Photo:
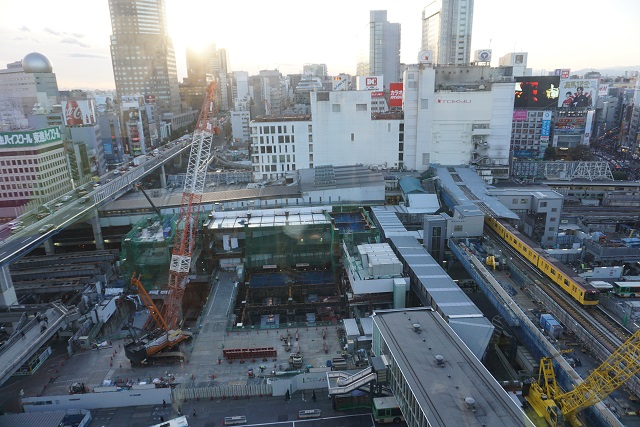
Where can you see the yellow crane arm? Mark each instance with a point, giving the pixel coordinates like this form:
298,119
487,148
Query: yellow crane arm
611,374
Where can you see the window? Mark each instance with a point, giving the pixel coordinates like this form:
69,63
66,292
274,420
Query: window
424,104
457,228
323,96
353,137
361,107
543,204
335,108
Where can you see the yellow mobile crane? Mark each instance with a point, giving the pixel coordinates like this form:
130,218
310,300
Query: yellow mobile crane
559,407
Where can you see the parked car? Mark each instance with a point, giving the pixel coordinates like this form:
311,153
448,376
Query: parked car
45,228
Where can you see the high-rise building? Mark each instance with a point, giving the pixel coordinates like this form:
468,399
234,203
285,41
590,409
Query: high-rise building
142,53
204,66
446,30
384,47
26,86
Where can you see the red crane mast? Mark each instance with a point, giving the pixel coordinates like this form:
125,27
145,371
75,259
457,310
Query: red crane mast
187,223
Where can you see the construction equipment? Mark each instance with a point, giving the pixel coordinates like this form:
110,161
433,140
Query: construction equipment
157,211
491,261
187,223
559,407
167,333
160,338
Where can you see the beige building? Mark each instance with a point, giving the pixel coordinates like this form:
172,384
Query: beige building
33,169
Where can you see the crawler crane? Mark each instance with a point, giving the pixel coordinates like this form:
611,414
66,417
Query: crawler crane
559,407
168,332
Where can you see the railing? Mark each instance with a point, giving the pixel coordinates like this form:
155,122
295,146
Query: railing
183,393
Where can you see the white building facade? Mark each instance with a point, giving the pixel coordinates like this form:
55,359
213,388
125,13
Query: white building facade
471,125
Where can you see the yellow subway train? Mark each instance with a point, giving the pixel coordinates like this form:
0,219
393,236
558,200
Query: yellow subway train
563,276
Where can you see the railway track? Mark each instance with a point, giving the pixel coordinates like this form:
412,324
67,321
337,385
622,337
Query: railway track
602,327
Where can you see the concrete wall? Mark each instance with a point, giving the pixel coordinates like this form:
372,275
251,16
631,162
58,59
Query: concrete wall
114,399
309,381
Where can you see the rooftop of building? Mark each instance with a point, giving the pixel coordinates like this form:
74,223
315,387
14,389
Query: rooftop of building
467,187
269,217
450,385
282,118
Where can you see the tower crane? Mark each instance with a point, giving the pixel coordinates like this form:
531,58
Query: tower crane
187,223
559,407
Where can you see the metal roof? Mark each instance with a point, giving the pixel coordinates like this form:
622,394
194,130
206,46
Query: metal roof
410,184
441,391
269,217
333,177
445,295
465,186
39,419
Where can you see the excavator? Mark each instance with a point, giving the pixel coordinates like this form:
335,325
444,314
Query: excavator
168,333
560,407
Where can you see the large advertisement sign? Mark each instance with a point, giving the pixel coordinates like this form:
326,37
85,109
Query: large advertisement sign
30,137
569,125
565,73
369,83
603,89
578,93
395,94
78,113
545,129
519,115
536,92
131,101
588,125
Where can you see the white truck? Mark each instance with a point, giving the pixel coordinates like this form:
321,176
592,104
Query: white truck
138,160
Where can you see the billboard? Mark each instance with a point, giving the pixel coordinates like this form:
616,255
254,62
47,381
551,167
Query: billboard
369,83
519,115
536,92
565,73
603,89
578,93
131,101
395,94
588,125
545,129
78,113
31,137
149,99
339,83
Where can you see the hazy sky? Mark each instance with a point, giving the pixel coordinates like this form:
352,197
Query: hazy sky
286,34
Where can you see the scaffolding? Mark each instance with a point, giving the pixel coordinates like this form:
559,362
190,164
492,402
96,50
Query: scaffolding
146,250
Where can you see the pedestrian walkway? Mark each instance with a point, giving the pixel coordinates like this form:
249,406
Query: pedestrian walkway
25,342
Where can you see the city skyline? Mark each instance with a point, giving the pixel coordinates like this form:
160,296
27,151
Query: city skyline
273,35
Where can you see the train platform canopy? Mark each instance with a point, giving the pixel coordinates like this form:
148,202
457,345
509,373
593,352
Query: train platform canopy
463,186
386,218
435,288
446,384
